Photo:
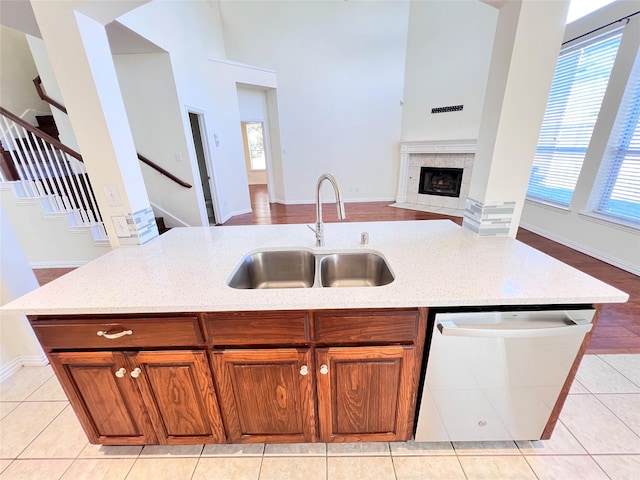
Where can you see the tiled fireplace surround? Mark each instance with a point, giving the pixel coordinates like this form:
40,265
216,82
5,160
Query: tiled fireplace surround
441,154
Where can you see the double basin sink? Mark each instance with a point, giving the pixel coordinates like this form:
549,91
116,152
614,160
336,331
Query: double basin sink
304,269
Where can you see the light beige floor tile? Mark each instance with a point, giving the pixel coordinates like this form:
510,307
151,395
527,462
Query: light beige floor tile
236,468
620,467
25,422
486,448
295,449
560,443
358,449
360,468
412,448
492,468
566,466
626,407
596,428
50,391
35,469
421,468
293,468
49,445
171,451
163,469
577,388
626,364
600,377
110,451
23,383
6,407
4,464
233,450
99,469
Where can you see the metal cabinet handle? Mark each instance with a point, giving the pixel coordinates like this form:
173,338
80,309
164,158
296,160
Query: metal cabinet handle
304,370
121,372
324,369
112,336
135,373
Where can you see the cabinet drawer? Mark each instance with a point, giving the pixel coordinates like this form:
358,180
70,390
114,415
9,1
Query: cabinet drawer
365,326
251,328
117,332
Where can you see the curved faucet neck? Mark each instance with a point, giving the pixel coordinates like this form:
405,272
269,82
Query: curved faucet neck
339,205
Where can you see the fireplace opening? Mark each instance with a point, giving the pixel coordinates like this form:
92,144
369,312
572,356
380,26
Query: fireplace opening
440,181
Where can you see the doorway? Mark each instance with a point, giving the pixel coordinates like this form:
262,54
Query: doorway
205,177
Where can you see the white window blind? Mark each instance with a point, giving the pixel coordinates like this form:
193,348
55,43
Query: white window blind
617,188
578,87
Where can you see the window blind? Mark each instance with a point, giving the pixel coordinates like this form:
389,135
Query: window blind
617,188
579,84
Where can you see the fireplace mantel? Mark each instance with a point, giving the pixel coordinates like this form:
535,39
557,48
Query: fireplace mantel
427,147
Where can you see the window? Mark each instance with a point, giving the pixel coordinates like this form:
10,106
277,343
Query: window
255,145
617,189
578,87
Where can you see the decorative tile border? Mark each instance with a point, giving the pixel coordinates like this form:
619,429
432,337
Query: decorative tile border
142,226
488,220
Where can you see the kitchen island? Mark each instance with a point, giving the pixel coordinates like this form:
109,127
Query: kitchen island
152,346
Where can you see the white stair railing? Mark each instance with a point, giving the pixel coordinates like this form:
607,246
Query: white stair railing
48,170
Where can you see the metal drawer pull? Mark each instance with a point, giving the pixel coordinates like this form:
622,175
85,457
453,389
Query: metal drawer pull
120,373
135,373
324,369
113,336
304,370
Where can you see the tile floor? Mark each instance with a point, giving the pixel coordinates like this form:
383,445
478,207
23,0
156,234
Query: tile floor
598,437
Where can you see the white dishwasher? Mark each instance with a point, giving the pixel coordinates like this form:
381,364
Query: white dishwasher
496,375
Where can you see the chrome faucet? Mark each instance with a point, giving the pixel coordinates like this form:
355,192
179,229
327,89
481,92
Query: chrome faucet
319,230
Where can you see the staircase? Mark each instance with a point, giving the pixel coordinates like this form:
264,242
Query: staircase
38,168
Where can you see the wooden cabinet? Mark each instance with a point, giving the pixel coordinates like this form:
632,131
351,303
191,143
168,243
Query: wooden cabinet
365,393
290,376
105,397
266,395
357,369
125,390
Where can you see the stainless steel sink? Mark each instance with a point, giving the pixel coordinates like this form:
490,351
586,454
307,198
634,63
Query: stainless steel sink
364,269
303,269
275,269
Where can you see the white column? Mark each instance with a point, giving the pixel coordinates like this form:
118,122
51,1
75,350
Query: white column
79,52
525,50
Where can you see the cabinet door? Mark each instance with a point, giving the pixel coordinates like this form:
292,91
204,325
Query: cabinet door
364,393
266,395
104,397
178,391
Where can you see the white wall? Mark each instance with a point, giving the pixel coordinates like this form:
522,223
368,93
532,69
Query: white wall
194,36
340,68
574,226
155,117
17,71
448,54
18,345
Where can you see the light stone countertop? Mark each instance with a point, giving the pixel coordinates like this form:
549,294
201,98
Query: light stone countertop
436,264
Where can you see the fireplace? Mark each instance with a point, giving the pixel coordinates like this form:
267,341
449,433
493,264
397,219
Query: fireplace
447,157
445,182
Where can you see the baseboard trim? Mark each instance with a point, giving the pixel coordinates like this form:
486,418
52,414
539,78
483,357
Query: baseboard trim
581,248
58,264
22,361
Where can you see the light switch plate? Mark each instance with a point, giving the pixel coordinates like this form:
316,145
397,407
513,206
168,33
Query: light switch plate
113,195
121,226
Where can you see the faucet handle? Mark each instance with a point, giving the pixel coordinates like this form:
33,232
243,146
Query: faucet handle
364,238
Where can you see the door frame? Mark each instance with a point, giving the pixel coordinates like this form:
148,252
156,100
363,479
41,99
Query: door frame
201,116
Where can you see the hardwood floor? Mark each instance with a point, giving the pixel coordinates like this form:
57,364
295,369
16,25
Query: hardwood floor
618,328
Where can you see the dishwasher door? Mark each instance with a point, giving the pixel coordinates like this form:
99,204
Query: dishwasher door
497,375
